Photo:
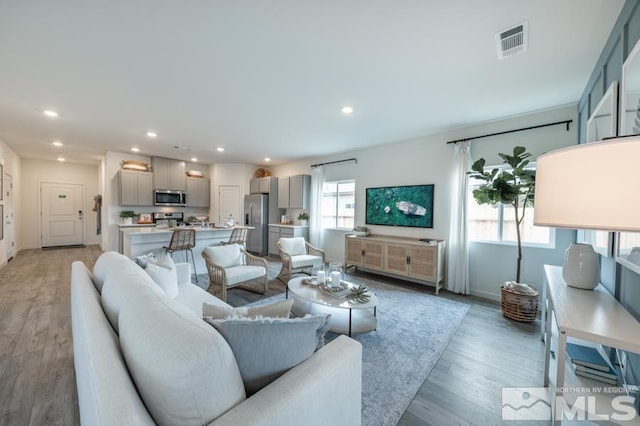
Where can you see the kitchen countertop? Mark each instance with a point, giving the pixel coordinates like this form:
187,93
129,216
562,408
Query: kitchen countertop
155,230
288,225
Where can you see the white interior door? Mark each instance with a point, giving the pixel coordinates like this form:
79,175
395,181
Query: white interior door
62,214
230,204
9,223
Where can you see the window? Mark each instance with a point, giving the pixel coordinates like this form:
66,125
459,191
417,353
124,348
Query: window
497,223
338,204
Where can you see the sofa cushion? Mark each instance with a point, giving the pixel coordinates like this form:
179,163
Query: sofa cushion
164,273
304,260
242,273
107,262
119,284
144,259
279,309
193,297
293,246
265,348
184,370
225,256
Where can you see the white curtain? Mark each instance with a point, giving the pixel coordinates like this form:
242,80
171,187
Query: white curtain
458,262
315,215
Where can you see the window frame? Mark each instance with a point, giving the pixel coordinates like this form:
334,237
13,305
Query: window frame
500,219
337,204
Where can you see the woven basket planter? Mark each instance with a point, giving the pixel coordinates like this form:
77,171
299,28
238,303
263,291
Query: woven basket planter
518,306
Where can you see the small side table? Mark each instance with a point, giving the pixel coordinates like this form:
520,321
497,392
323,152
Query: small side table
595,316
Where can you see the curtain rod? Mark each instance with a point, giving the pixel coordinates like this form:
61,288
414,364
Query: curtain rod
515,130
333,162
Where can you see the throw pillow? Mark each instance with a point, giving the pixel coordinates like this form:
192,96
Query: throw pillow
265,348
279,309
225,256
293,246
165,274
143,260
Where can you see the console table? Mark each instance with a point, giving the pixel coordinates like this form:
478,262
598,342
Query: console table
405,258
595,316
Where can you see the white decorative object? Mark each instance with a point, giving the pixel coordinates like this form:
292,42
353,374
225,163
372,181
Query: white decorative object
580,269
582,187
335,278
321,277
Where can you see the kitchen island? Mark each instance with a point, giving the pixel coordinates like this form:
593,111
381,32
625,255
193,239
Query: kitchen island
141,241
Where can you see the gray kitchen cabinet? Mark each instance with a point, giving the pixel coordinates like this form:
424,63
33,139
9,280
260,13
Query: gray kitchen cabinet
299,188
265,185
136,188
197,192
293,192
169,174
283,193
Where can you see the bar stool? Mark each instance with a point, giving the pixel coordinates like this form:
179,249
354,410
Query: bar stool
183,240
238,236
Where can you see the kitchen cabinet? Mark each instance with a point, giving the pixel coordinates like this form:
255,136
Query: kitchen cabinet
293,192
198,192
400,257
285,231
265,185
136,188
169,174
283,193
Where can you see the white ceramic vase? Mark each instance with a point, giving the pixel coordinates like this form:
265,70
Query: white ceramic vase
581,269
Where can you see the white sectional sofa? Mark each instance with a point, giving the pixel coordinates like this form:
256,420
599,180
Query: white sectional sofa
142,357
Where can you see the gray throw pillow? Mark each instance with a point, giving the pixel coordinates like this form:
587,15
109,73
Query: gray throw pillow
265,348
279,309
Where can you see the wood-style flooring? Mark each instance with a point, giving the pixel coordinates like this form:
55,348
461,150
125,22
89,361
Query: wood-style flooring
37,381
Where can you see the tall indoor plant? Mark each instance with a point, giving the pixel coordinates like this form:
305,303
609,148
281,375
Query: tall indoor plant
514,186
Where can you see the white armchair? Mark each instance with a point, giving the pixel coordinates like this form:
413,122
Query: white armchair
297,255
231,266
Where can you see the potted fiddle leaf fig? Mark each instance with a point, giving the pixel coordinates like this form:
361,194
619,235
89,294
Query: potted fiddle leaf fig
514,186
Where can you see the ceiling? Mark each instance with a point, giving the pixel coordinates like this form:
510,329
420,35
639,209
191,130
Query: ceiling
270,78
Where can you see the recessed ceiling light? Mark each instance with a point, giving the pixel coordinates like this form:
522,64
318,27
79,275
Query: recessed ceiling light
50,113
60,158
56,143
220,149
135,149
152,135
267,159
194,159
347,110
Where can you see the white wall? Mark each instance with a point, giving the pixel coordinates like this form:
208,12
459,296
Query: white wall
228,174
428,160
111,197
35,172
11,166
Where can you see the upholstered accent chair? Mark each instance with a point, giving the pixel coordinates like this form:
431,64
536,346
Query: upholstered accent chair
297,255
231,266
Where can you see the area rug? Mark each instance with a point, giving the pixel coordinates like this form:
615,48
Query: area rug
413,331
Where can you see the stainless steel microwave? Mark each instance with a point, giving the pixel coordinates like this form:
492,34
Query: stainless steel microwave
166,197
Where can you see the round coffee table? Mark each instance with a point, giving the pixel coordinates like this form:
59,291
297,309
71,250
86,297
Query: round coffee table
346,316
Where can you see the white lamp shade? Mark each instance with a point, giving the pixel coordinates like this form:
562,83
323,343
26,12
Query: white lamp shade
580,267
590,186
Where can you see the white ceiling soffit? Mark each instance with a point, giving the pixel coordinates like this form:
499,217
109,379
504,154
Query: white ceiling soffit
513,40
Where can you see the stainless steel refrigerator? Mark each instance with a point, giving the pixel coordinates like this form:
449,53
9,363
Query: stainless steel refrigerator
256,214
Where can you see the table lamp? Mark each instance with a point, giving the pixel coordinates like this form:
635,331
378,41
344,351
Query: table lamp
589,186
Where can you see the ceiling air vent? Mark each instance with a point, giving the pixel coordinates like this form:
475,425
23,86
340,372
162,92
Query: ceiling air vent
512,40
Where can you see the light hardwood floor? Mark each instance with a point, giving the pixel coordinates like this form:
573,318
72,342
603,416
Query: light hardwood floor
37,381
